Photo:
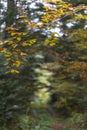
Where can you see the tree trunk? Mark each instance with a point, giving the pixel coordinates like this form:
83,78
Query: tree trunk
10,15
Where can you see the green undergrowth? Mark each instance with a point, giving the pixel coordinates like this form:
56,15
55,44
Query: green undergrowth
42,121
45,121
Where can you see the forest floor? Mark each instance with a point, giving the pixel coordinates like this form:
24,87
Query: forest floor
44,120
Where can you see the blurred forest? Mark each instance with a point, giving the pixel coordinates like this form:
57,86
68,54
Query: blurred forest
43,65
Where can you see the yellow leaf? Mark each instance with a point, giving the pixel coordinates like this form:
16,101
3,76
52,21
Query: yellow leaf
23,54
52,44
17,63
24,33
18,38
2,50
25,44
14,71
13,33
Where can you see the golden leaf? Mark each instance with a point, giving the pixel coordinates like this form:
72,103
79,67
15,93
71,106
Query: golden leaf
18,38
17,63
14,71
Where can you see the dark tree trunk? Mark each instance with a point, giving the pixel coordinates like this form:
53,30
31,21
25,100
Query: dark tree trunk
10,15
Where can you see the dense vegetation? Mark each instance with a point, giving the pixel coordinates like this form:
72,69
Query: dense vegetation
43,68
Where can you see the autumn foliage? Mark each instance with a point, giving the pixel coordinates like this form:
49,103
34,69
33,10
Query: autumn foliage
46,48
